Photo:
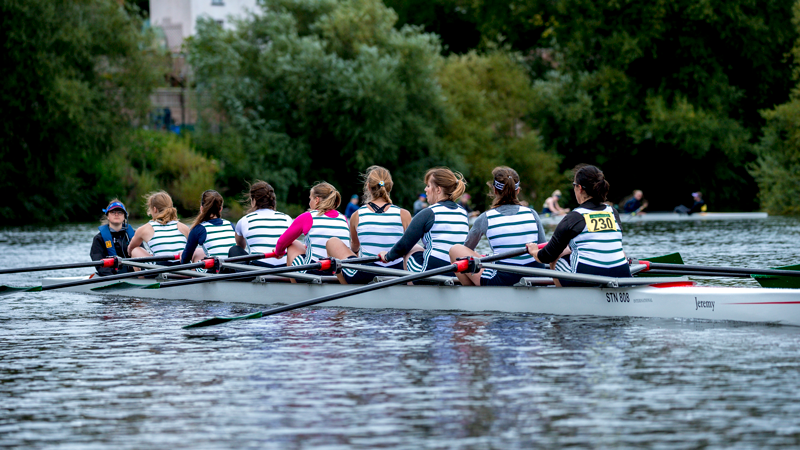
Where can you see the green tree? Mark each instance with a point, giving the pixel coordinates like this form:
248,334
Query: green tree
75,74
309,90
489,96
777,169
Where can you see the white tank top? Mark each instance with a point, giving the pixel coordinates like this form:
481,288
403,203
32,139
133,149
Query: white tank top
600,243
379,232
261,229
506,233
450,227
167,239
322,229
219,238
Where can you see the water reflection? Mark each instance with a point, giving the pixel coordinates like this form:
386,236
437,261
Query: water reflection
82,371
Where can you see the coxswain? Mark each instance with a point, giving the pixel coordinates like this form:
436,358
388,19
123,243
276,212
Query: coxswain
258,231
589,239
164,234
551,206
507,226
113,239
375,227
209,232
636,204
439,226
319,224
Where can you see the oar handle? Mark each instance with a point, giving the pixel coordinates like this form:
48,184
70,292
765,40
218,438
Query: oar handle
251,257
510,254
323,264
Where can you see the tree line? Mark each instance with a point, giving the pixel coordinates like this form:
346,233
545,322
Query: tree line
666,96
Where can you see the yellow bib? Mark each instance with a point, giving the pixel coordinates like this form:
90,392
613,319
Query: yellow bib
600,221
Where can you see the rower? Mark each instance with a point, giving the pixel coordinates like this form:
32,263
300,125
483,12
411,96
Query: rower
113,239
636,204
320,223
213,234
507,226
551,206
258,231
592,233
164,235
374,227
439,226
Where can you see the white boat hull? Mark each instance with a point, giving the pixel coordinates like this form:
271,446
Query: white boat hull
779,306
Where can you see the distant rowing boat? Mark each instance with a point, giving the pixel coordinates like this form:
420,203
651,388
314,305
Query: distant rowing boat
665,298
673,217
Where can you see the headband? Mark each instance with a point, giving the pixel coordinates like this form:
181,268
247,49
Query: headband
500,186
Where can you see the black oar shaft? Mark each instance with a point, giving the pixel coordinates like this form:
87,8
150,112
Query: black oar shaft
242,275
730,270
107,262
207,263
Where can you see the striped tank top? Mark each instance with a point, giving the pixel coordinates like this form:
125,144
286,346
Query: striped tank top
167,239
450,227
219,238
600,243
506,233
261,229
379,232
322,229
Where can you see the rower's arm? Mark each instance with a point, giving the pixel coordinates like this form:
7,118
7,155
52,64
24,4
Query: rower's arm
476,232
571,226
540,238
420,224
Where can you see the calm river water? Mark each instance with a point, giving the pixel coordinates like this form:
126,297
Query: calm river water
85,372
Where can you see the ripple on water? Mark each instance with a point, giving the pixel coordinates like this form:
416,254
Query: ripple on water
79,371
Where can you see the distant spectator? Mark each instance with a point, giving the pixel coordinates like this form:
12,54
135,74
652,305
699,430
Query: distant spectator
420,204
636,204
464,203
698,205
551,206
351,207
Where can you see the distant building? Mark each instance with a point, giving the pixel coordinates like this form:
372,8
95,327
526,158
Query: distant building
178,18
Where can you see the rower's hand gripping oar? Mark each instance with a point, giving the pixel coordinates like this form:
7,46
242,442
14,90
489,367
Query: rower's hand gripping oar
461,265
110,262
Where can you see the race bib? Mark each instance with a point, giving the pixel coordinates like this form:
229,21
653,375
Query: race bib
109,244
600,221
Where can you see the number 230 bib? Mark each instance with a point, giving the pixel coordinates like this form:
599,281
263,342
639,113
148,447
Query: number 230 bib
600,221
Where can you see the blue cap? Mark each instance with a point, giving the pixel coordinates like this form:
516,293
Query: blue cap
116,205
423,195
354,196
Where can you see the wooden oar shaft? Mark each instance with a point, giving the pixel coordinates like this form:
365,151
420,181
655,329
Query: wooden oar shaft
735,270
106,262
206,263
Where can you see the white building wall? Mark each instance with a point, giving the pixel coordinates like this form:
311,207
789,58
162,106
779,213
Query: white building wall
178,18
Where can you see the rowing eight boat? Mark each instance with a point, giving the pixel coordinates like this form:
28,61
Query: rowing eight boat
675,298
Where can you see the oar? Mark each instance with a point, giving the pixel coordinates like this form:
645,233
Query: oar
458,266
583,278
768,281
208,263
690,269
105,262
322,264
461,265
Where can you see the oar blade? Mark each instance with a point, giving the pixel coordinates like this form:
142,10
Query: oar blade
772,281
12,289
220,320
670,258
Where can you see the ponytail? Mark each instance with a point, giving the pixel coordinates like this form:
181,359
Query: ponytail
263,194
211,205
330,197
593,181
162,202
452,183
504,186
377,184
